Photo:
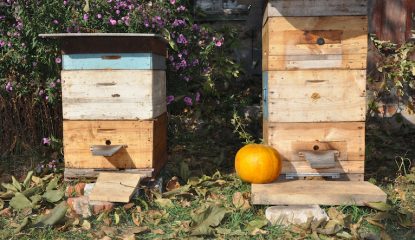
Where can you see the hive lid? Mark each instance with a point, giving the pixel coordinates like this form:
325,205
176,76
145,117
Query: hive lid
79,43
65,35
314,8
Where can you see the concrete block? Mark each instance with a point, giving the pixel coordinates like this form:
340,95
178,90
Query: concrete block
298,215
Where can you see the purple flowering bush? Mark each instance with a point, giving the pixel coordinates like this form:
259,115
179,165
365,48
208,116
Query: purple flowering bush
199,64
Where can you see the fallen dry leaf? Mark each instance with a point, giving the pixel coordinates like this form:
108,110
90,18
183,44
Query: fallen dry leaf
137,219
240,202
128,206
158,231
172,184
185,203
86,225
109,231
258,231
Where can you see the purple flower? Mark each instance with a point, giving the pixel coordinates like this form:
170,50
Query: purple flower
99,15
2,43
182,39
58,80
195,62
181,8
188,101
86,16
173,1
65,2
52,85
218,42
179,22
46,141
197,98
56,22
146,24
9,87
186,78
183,64
195,27
117,12
41,92
58,60
169,99
113,21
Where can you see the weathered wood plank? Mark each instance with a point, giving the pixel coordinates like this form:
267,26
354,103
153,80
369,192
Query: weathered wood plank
302,192
315,96
115,187
74,43
290,138
294,43
340,167
92,173
298,8
343,177
113,94
124,61
139,136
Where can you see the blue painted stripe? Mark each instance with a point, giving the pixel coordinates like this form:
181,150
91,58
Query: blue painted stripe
124,61
265,94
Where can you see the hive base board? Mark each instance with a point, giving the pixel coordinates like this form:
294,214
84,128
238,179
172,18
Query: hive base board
304,192
92,173
342,177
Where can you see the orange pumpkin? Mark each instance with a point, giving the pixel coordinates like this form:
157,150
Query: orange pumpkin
257,163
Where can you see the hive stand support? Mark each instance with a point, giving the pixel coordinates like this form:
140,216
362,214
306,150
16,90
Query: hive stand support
320,192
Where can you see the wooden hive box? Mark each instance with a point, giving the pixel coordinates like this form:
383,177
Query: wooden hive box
113,102
314,89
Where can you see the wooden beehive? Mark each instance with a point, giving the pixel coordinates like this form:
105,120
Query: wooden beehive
113,102
314,90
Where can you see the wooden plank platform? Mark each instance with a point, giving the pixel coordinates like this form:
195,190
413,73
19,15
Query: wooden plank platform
304,192
115,187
